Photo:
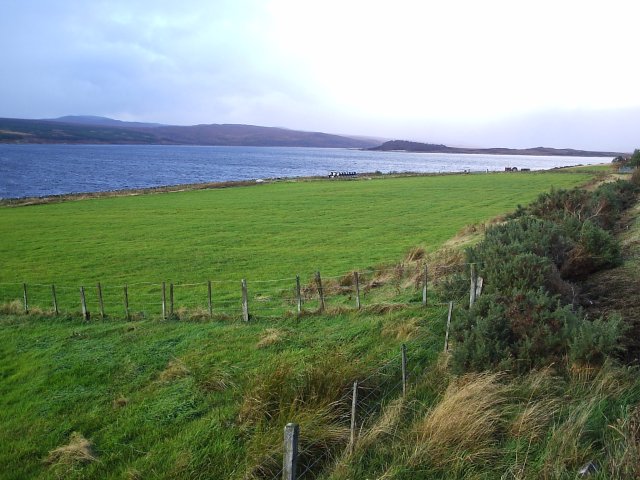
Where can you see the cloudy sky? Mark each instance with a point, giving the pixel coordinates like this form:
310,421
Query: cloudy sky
522,73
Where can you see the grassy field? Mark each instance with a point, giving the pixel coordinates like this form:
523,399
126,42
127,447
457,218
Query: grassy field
261,233
208,399
183,399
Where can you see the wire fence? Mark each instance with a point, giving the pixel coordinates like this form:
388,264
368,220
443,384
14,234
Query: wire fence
246,299
360,408
357,408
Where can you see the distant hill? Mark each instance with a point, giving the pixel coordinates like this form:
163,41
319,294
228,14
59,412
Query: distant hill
403,145
102,121
101,130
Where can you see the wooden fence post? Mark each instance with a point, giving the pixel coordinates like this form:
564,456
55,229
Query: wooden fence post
356,278
100,301
126,302
298,294
320,292
209,298
171,300
403,351
474,285
290,457
446,335
55,299
83,302
245,301
26,298
354,403
424,286
164,301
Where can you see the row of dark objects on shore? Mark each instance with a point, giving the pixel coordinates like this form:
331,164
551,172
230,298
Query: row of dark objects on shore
342,174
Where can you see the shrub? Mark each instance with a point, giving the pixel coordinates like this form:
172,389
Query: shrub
595,340
595,250
524,235
525,318
514,331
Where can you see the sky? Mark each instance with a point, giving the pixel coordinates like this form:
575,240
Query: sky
515,73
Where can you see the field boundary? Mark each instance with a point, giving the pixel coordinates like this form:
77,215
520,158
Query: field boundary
388,287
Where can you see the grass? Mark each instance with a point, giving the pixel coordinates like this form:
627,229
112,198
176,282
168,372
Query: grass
261,233
208,399
184,399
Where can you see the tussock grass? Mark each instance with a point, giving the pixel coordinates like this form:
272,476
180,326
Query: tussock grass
77,452
462,428
194,314
120,402
415,254
386,425
386,428
271,336
403,330
566,447
314,397
16,307
175,369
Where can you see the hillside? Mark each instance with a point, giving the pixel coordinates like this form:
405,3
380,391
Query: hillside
403,145
99,130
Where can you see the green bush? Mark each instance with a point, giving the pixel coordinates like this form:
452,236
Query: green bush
525,235
594,250
526,316
595,340
515,331
602,206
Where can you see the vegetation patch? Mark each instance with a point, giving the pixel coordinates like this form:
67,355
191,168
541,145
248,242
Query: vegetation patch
78,451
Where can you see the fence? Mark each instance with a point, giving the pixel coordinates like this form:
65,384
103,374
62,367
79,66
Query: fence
357,409
360,406
245,299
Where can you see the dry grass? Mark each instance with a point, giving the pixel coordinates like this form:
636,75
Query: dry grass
463,427
313,397
198,314
565,448
381,308
271,336
120,402
625,446
415,254
77,452
321,437
441,263
175,369
540,409
217,380
404,330
385,427
16,307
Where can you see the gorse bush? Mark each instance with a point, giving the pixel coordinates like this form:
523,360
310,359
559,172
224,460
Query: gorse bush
527,316
594,249
515,331
602,206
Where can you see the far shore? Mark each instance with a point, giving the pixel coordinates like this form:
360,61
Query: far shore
26,201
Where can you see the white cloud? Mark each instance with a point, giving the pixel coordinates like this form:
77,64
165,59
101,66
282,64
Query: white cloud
369,67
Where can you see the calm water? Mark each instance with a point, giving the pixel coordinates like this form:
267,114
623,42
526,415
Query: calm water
39,170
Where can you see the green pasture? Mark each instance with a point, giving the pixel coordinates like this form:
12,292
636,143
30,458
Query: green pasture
175,399
264,233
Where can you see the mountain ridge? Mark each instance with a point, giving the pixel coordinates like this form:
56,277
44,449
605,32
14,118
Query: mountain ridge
408,146
102,130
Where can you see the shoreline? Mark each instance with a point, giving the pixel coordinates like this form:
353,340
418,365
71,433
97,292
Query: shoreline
76,196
